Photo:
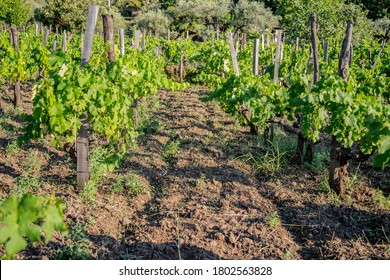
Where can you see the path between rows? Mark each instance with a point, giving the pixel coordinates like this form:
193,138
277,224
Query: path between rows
206,203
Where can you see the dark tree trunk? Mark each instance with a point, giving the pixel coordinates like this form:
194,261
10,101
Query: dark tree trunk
108,30
310,151
338,174
181,69
17,95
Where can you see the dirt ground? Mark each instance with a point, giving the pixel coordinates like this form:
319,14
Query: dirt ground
209,191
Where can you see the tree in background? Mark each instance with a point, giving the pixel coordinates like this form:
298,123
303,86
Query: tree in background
151,17
332,16
71,14
382,28
186,17
252,17
152,20
376,8
15,12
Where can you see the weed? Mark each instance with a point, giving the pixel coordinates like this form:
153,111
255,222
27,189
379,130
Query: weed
76,245
274,157
145,123
272,220
31,162
320,162
324,187
269,163
27,183
89,192
353,179
169,152
150,126
160,191
129,182
17,111
200,182
381,199
102,160
12,149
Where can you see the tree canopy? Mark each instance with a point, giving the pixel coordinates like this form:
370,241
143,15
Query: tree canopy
15,12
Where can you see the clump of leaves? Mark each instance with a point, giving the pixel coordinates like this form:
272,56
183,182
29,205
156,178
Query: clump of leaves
26,218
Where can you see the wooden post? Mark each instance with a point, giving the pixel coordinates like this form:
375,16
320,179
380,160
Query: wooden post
296,44
351,55
181,69
144,40
54,46
36,29
370,54
277,55
137,36
326,47
268,40
314,41
338,171
15,40
122,41
82,142
243,41
108,30
379,54
45,36
82,38
233,53
89,34
262,40
11,38
255,65
169,35
187,34
64,41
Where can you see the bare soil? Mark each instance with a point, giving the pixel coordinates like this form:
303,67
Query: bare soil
207,201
